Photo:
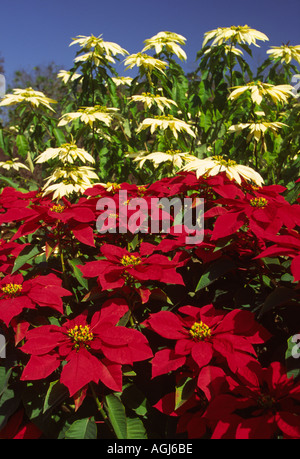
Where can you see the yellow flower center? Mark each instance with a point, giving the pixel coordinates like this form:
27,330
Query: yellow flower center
200,331
224,162
81,336
57,208
141,190
12,290
130,260
258,202
112,186
164,117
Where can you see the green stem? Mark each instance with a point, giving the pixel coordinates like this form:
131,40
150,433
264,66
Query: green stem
100,407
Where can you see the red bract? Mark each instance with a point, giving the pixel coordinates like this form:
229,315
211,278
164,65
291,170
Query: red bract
17,429
14,205
64,218
287,244
191,410
261,214
17,294
206,333
263,405
9,251
94,351
121,266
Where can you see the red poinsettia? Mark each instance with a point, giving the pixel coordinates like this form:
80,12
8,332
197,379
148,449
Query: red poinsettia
263,405
17,294
262,213
14,205
189,405
205,333
17,428
121,266
9,251
61,218
288,244
94,351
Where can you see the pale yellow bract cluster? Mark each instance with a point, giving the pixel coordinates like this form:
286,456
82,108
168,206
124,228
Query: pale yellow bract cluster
98,50
258,129
258,90
285,53
148,63
67,76
90,115
176,158
235,34
68,177
149,100
28,95
217,164
13,164
166,41
175,125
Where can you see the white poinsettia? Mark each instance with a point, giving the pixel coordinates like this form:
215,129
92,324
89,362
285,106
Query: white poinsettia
28,95
168,41
235,34
13,164
176,157
90,115
149,100
216,164
66,153
166,122
119,81
285,53
66,180
257,129
97,50
66,76
148,63
258,90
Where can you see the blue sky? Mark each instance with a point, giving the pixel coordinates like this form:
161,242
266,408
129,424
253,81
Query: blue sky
36,32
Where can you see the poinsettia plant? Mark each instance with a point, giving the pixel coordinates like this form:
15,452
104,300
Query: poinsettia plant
163,303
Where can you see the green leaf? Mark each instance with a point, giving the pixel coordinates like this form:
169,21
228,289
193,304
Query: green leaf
30,253
124,427
136,429
9,181
134,399
4,378
292,356
216,270
9,402
55,394
82,429
22,145
116,414
59,136
2,142
184,390
78,273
